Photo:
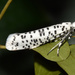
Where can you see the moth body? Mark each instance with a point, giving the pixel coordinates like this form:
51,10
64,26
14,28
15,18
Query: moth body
33,39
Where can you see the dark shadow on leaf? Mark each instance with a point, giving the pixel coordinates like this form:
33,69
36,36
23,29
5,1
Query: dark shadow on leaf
49,65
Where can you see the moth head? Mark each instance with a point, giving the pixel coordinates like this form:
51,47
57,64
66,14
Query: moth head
73,25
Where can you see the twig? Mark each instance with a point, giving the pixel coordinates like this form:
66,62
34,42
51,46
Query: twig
5,8
2,47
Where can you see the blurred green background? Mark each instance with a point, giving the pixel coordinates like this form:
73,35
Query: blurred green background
27,15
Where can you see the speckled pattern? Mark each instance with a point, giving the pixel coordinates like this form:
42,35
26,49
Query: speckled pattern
33,39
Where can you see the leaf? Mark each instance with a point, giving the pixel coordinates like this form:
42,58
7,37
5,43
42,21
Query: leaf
45,67
44,49
69,64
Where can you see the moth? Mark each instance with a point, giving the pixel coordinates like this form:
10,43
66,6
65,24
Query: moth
33,39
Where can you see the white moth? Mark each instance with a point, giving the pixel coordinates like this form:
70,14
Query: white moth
33,39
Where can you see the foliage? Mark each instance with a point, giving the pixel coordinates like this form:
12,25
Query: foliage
66,60
44,49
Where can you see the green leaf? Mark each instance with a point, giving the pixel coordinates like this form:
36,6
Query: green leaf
69,64
45,67
44,49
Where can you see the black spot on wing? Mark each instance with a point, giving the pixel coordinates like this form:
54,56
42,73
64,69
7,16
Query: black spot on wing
63,26
49,32
57,26
42,30
22,41
25,32
35,40
28,46
55,31
17,44
34,44
29,32
31,40
47,28
54,27
64,32
26,40
60,26
18,34
23,46
39,30
37,43
31,36
62,29
34,31
40,34
23,36
48,39
30,43
43,34
41,41
53,36
14,38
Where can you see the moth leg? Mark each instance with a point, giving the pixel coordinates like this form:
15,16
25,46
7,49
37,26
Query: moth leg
59,44
59,48
53,48
55,40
